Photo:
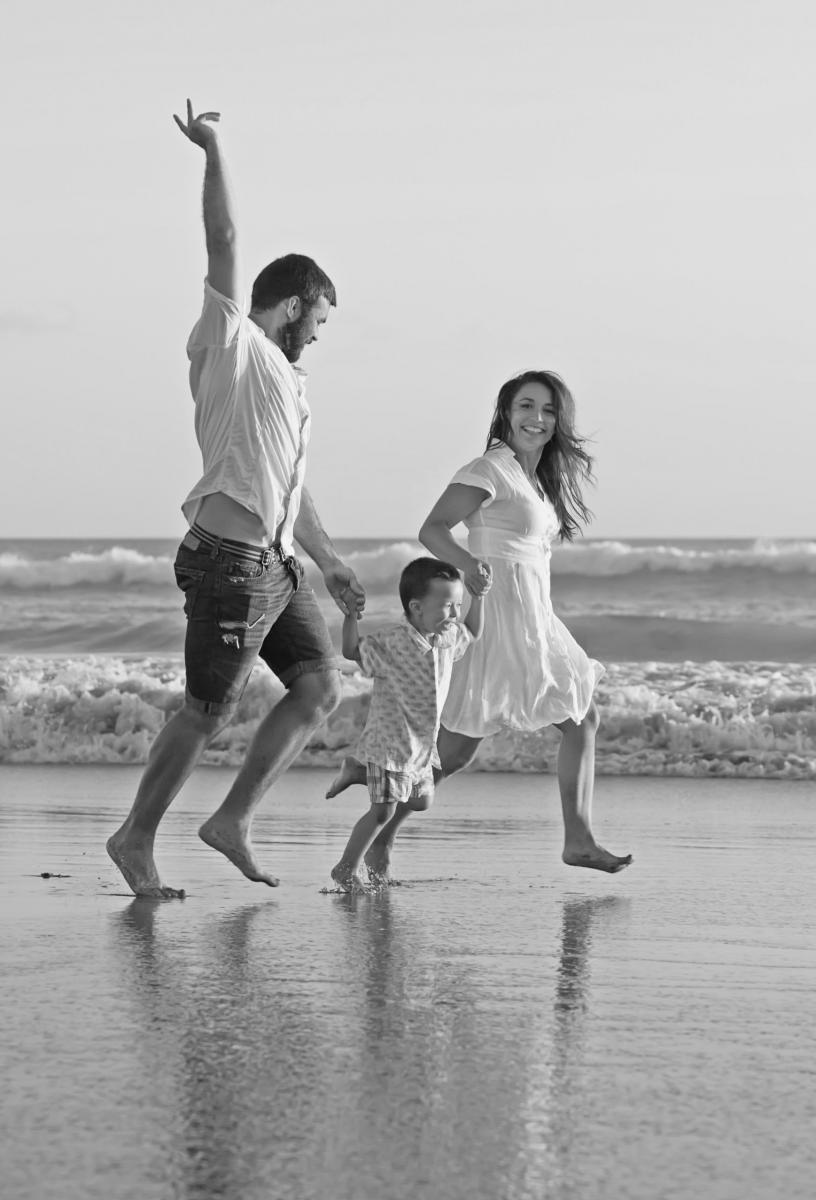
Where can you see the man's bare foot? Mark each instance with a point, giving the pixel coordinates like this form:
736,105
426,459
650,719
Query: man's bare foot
597,859
134,858
351,771
378,861
348,880
235,844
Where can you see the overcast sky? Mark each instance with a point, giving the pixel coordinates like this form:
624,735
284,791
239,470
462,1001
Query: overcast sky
622,193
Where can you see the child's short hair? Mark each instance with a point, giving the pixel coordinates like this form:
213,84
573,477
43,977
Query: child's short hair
416,578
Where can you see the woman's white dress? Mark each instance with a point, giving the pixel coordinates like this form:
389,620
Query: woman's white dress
526,671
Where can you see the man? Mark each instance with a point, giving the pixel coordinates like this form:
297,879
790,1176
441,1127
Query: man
245,596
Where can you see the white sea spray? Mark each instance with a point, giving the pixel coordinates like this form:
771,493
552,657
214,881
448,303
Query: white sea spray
691,719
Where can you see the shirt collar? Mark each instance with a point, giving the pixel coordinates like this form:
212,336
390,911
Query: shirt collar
276,352
418,638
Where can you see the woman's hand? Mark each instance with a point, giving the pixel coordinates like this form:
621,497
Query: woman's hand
478,577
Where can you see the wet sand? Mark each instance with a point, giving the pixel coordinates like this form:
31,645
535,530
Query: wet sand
498,1027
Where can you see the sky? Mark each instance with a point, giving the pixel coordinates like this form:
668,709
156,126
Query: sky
621,193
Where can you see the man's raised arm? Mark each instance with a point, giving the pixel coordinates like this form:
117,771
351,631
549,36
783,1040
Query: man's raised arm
219,222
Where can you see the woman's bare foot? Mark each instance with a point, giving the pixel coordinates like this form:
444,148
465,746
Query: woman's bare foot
351,771
133,855
378,861
234,843
348,880
597,859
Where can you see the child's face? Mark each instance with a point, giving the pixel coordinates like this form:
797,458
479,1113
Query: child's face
439,608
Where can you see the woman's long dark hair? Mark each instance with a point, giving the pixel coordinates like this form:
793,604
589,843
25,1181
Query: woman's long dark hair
565,464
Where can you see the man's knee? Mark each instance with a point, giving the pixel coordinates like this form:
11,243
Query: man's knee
317,693
206,724
383,812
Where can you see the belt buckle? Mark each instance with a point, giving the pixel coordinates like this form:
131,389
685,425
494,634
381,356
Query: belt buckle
267,556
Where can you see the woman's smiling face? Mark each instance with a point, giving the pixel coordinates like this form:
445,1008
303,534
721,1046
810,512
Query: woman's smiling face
531,418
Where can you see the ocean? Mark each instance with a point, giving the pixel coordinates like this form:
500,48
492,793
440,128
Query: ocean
710,649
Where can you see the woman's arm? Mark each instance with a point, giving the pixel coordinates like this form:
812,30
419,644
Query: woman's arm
456,503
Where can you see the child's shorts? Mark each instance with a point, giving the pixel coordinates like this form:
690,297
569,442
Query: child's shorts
391,787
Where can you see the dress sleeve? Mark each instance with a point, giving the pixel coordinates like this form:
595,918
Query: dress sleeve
219,324
480,473
372,655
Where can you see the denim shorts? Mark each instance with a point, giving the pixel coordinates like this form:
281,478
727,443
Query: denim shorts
239,610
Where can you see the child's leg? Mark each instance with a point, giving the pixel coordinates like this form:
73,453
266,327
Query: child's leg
347,871
455,750
351,771
576,781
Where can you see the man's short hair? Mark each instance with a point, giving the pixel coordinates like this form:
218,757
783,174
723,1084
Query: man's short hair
416,579
292,275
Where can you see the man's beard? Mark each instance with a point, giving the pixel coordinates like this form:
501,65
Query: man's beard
293,338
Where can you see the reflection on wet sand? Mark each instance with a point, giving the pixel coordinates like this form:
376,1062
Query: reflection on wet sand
215,1035
549,1121
376,1060
489,1031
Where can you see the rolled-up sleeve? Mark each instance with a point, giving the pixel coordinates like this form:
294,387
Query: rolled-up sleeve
219,324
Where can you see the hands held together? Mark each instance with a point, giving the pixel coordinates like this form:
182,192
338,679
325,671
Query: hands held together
478,577
346,591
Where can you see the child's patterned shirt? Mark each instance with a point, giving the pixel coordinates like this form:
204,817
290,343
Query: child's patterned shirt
411,676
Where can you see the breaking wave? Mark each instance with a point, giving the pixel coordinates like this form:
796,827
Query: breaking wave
379,567
693,719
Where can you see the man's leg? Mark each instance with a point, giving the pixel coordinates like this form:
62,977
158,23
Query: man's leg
280,737
230,603
173,756
456,750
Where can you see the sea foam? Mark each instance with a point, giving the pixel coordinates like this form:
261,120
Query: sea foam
707,719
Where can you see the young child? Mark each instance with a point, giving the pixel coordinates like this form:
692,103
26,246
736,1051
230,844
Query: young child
410,663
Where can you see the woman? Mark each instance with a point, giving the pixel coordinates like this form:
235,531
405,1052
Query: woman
527,671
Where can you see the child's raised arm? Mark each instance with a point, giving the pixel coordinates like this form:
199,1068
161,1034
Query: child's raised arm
351,637
474,621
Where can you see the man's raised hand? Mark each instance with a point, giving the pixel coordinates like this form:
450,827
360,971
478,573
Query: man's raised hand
197,128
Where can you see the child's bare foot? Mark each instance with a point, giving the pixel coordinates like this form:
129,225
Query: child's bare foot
378,861
133,855
597,859
348,880
231,840
351,771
